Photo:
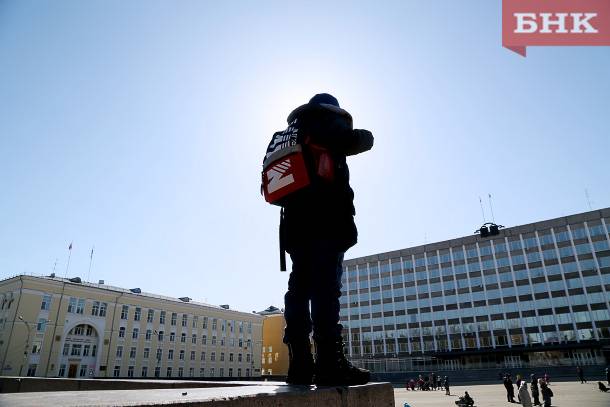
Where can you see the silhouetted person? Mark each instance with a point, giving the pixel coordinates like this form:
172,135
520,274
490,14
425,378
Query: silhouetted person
510,391
608,376
547,394
317,228
446,384
535,391
465,400
524,395
581,374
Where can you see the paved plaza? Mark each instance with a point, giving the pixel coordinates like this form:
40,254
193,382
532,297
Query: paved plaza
567,394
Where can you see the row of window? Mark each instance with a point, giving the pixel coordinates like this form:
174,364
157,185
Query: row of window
79,349
500,250
182,355
169,372
160,335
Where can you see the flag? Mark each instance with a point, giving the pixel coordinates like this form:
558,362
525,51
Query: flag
70,247
91,255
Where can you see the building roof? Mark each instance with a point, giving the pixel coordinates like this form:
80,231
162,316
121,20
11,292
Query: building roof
133,291
471,239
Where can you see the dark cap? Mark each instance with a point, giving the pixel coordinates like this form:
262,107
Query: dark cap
324,99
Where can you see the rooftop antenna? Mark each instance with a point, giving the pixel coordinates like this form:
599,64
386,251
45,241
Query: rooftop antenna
69,256
482,210
588,199
54,265
90,261
492,208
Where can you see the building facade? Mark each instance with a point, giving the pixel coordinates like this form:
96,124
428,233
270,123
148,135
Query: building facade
534,295
56,327
275,357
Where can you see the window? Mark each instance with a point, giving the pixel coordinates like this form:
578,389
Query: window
146,353
103,308
212,372
144,371
148,335
94,351
202,356
221,371
162,317
83,371
119,351
95,309
46,302
122,332
80,306
191,372
169,372
170,354
180,371
160,336
66,349
174,317
135,333
172,336
76,350
239,358
213,339
62,371
222,356
183,337
213,356
230,357
159,354
150,316
132,352
195,319
78,330
194,338
201,372
192,355
124,311
137,314
204,340
157,372
72,305
117,371
41,325
181,354
184,319
205,322
86,350
214,324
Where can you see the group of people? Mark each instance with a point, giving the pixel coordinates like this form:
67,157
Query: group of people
431,382
539,387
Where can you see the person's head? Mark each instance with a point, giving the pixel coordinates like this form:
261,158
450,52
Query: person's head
324,99
466,393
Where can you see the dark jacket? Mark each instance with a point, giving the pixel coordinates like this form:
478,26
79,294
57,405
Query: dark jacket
325,210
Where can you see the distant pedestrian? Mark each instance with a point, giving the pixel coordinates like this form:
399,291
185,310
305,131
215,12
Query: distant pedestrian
518,383
535,392
510,391
524,395
547,393
547,378
608,376
433,381
581,374
446,384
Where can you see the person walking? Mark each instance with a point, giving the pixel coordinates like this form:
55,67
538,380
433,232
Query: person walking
608,376
581,374
547,394
524,395
510,391
433,375
535,392
446,384
316,229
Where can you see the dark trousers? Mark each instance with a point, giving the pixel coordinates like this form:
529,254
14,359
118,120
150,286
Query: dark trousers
316,277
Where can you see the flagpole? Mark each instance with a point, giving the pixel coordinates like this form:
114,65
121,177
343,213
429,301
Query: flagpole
90,261
69,256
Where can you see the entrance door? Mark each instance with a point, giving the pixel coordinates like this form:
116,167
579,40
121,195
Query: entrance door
72,371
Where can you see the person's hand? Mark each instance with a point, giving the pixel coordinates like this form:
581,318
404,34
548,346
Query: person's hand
362,140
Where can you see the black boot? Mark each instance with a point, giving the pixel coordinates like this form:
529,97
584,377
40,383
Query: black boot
300,368
333,369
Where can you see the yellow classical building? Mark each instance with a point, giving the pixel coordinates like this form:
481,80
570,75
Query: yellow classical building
275,356
57,327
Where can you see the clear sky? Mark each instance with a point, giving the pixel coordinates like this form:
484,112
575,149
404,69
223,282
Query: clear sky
139,127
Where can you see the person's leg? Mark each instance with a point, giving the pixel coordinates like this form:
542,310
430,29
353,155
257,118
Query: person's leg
332,368
298,320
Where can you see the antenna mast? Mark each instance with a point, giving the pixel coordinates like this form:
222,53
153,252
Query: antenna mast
493,219
482,210
588,199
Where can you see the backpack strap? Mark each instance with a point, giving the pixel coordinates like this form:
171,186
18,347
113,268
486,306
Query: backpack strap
282,242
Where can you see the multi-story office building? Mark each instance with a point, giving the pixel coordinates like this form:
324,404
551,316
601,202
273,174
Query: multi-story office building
533,295
57,327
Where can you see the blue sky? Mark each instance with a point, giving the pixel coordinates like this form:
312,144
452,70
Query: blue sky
139,127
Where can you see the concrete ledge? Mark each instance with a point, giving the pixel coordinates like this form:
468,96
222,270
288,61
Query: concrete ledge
372,394
15,384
